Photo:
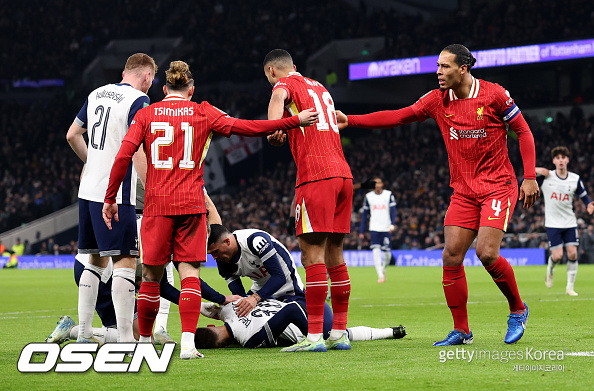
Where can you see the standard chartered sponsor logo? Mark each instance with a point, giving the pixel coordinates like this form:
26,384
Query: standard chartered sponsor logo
456,134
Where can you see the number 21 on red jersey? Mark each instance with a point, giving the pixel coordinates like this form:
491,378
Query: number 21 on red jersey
167,139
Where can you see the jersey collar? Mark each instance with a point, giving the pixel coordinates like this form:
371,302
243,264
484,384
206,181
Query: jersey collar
294,74
474,90
171,97
238,255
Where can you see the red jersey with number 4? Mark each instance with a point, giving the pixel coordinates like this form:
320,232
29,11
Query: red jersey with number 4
176,134
316,149
475,134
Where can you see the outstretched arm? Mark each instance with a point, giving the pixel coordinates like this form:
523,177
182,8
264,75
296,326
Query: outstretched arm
379,119
256,128
542,171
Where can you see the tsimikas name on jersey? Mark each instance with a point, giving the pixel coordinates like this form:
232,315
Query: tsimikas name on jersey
168,111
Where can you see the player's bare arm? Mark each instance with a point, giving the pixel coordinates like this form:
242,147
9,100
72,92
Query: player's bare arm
140,164
590,207
529,192
76,140
213,214
276,107
542,171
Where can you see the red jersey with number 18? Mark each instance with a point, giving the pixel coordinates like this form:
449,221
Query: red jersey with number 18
475,134
316,149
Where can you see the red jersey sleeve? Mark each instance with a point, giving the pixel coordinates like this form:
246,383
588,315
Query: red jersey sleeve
527,148
384,119
137,130
226,125
422,107
282,83
119,169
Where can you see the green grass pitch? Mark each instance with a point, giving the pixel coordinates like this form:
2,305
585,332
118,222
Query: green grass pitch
31,302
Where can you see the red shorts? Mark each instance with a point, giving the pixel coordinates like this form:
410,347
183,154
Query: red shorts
184,234
324,206
493,210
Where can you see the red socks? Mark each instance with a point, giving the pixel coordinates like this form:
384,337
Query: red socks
147,307
504,277
340,289
190,300
456,293
316,289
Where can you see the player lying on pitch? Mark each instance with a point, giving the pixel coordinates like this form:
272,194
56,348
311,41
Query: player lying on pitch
271,323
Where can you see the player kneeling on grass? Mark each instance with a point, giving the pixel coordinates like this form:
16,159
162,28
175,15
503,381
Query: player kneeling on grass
271,324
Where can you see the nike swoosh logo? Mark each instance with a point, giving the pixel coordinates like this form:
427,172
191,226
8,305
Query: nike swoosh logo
493,218
448,115
448,284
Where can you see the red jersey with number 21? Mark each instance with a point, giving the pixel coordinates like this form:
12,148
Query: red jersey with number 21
317,149
176,134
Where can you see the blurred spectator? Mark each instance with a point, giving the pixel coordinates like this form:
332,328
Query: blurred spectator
586,249
18,248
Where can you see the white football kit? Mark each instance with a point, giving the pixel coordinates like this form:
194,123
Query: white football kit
106,115
558,194
378,206
262,257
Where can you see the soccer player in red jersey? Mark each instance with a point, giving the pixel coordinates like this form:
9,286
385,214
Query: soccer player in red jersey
323,197
176,134
473,116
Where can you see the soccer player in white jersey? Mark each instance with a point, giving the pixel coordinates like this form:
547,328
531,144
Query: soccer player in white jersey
258,255
107,114
381,207
558,187
271,323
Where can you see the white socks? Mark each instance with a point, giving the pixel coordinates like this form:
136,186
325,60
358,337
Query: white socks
364,333
187,341
88,287
377,260
314,337
102,335
336,334
163,315
387,259
123,295
551,265
572,267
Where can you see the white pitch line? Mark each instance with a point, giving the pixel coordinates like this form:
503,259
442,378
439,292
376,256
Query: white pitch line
581,354
470,302
28,317
37,311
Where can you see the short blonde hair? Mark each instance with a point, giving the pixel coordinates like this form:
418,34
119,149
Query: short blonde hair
140,60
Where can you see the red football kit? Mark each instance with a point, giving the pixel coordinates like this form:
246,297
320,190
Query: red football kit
475,134
320,205
176,134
